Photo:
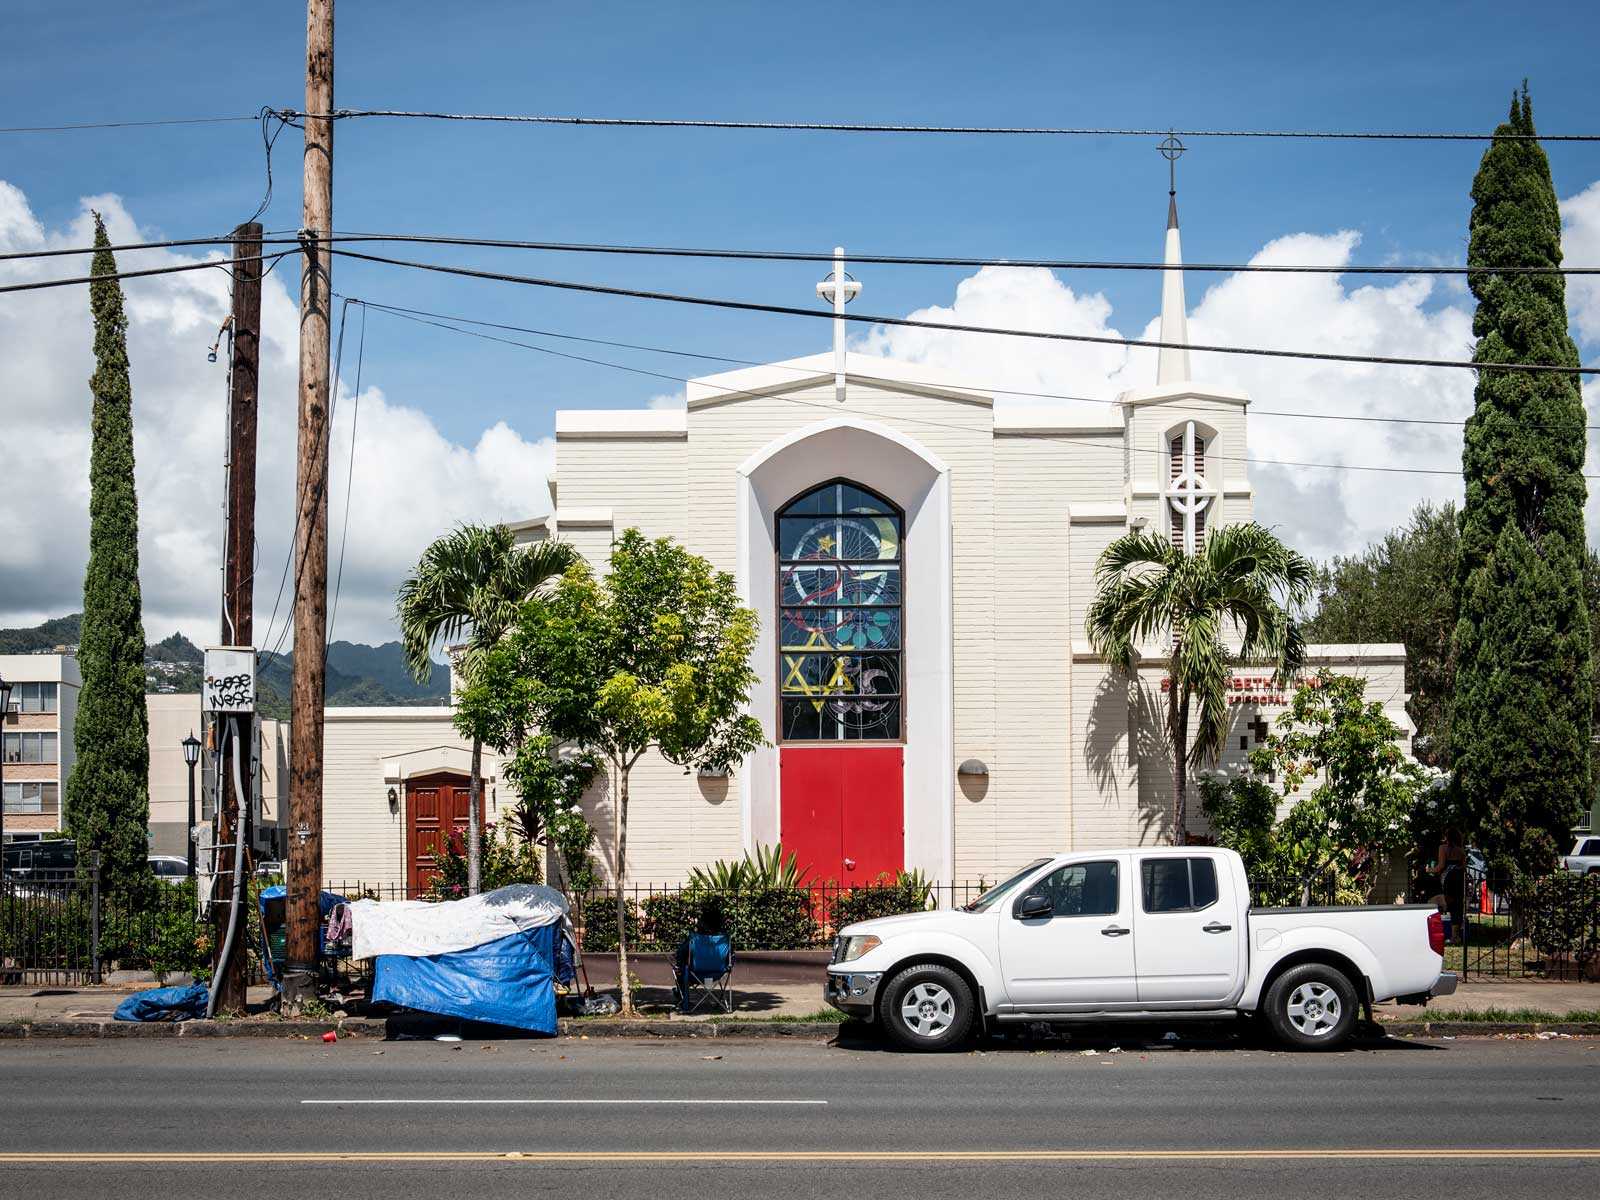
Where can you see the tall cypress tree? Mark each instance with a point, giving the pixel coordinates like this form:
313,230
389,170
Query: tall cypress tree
108,801
1521,732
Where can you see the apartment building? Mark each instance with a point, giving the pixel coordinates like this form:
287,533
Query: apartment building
37,738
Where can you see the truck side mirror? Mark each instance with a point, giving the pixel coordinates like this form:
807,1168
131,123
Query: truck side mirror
1034,906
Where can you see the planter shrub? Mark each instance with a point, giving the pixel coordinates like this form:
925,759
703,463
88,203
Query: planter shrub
905,893
776,918
1561,915
599,918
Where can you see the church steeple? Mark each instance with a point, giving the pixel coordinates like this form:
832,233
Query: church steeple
1173,366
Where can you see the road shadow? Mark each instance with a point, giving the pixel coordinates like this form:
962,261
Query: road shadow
1139,1038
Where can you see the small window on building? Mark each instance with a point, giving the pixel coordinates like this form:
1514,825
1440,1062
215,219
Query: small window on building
1081,890
1177,884
30,799
34,697
30,747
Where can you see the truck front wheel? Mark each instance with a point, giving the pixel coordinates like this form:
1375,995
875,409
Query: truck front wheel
926,1007
1312,1007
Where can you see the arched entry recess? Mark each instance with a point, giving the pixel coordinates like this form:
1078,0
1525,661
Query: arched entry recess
808,786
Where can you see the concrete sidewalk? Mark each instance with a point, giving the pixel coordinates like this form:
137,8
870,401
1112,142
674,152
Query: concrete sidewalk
1540,995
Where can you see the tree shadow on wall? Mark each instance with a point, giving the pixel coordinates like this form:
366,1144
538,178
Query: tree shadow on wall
1127,749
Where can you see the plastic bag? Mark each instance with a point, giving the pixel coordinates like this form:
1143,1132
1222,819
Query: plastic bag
598,1006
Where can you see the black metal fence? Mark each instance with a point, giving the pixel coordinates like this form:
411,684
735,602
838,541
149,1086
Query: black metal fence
50,924
658,916
1547,928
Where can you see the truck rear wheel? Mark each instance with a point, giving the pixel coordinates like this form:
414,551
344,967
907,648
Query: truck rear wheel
926,1007
1312,1007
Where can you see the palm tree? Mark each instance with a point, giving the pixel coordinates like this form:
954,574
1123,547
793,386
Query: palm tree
467,588
1243,583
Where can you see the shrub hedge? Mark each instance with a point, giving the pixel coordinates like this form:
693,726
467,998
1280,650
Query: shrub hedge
1561,914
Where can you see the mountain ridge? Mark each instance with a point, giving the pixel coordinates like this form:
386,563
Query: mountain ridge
358,675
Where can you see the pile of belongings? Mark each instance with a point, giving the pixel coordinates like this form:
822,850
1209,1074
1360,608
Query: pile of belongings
164,1004
495,958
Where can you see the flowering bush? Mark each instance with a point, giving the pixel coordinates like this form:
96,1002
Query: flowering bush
506,859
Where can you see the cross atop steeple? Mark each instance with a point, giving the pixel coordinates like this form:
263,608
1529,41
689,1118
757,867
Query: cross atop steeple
839,288
1172,150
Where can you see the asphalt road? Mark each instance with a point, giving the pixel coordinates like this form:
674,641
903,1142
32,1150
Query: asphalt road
669,1119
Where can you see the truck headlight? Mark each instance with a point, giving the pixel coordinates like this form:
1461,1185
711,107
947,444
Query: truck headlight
851,948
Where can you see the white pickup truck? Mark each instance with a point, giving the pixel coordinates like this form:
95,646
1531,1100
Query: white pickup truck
1134,935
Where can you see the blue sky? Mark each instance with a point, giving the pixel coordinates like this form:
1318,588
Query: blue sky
1272,66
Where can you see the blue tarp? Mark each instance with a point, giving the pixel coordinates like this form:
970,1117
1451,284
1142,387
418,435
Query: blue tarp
164,1004
504,982
278,892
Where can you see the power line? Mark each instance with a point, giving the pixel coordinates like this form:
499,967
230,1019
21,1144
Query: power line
301,512
223,263
271,239
349,478
122,124
910,323
990,389
902,260
917,260
739,392
862,127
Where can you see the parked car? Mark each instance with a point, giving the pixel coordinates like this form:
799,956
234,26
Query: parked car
169,868
1585,857
1134,935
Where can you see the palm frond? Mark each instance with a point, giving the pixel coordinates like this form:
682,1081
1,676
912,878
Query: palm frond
468,586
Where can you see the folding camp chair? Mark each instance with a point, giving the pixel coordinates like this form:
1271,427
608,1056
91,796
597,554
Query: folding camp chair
707,976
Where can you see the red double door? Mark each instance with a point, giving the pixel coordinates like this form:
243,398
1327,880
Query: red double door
436,807
843,810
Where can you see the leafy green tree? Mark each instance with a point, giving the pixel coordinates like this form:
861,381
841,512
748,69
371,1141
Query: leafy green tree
108,801
654,656
1363,790
1402,589
469,586
1242,584
1523,705
498,710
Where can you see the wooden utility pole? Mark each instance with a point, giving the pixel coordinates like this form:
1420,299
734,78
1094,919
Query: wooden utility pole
303,909
238,607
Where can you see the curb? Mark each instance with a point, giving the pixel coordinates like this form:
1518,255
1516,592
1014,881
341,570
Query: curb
18,1030
799,1031
370,1028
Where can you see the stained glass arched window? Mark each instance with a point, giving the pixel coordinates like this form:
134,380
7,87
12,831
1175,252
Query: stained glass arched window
840,643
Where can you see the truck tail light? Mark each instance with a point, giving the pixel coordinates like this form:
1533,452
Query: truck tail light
1436,933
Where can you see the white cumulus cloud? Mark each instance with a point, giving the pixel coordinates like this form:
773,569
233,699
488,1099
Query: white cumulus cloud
46,357
1320,510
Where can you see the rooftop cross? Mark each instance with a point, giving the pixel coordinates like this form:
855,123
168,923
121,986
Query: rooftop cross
839,288
1172,149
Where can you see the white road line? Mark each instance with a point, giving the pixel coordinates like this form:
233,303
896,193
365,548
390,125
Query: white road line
556,1100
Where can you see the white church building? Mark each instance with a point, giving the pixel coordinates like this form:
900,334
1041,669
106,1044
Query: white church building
922,562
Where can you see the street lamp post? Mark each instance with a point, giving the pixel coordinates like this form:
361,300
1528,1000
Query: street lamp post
5,717
191,755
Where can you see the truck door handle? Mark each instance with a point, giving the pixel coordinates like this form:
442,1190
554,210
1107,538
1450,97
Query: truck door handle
1115,931
1216,927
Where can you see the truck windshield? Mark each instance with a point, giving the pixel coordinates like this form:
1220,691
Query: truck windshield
995,894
